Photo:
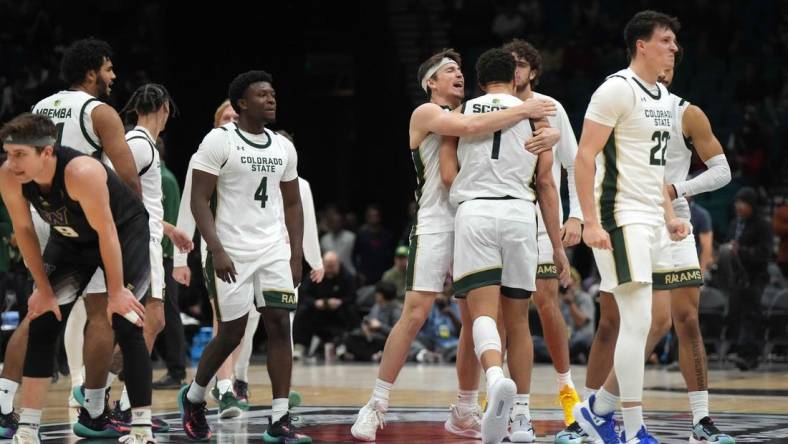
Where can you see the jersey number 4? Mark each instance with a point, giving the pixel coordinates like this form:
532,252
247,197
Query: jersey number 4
661,137
261,193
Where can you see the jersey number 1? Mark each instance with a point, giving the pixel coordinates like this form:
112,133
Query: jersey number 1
59,127
496,144
661,137
261,193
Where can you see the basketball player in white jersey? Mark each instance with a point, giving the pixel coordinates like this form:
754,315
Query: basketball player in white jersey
677,289
87,124
495,242
431,241
250,265
626,131
529,67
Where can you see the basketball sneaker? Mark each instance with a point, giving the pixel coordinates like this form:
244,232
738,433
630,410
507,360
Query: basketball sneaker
229,405
241,389
705,432
284,432
124,417
137,437
101,427
26,435
521,429
602,429
641,438
568,397
495,421
467,424
9,423
369,418
193,419
574,434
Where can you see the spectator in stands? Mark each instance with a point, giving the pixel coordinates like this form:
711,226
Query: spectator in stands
704,235
366,342
780,225
338,239
374,244
396,274
743,261
438,339
327,308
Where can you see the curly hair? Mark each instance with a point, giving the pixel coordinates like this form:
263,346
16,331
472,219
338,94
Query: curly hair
83,56
495,66
241,82
527,52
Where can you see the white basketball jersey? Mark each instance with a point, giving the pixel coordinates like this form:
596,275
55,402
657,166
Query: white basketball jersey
248,204
495,166
435,214
631,168
71,110
146,158
678,157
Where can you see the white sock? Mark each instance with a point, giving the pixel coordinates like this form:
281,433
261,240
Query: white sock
224,386
30,418
141,416
633,420
110,379
699,403
521,405
94,402
493,374
196,393
467,400
605,402
587,392
380,394
565,379
125,404
278,408
7,392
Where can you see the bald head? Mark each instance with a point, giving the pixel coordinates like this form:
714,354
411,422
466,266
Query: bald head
331,263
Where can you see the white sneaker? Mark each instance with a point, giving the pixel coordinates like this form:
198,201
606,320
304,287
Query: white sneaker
468,424
495,422
369,418
137,438
521,429
26,435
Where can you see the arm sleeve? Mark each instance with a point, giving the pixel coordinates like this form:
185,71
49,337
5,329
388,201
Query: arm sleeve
567,151
212,153
186,221
141,152
611,101
291,169
311,244
715,177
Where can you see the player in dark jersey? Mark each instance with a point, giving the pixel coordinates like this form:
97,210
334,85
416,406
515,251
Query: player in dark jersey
96,221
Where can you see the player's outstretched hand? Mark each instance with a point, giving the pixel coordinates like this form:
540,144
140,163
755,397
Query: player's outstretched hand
543,140
224,267
678,229
182,275
124,303
538,108
571,232
596,237
181,240
42,301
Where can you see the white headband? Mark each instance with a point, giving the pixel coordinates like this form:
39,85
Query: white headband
433,69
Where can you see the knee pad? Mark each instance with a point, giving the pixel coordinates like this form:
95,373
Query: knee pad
41,341
485,335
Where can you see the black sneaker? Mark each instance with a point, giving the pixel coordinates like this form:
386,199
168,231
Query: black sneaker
8,424
193,419
241,389
168,382
706,432
102,427
284,432
124,417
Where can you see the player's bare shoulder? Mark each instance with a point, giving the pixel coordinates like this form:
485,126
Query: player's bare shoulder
420,120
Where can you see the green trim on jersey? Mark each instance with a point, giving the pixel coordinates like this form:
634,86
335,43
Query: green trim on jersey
85,130
650,94
252,144
421,179
620,256
547,271
668,280
209,272
280,299
607,200
478,279
411,268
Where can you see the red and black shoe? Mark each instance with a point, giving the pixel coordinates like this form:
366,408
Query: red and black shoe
284,432
193,419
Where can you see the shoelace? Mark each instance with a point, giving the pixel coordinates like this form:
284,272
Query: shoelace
131,437
199,411
376,416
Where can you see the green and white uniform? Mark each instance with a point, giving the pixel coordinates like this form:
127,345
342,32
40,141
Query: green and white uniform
247,213
495,225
